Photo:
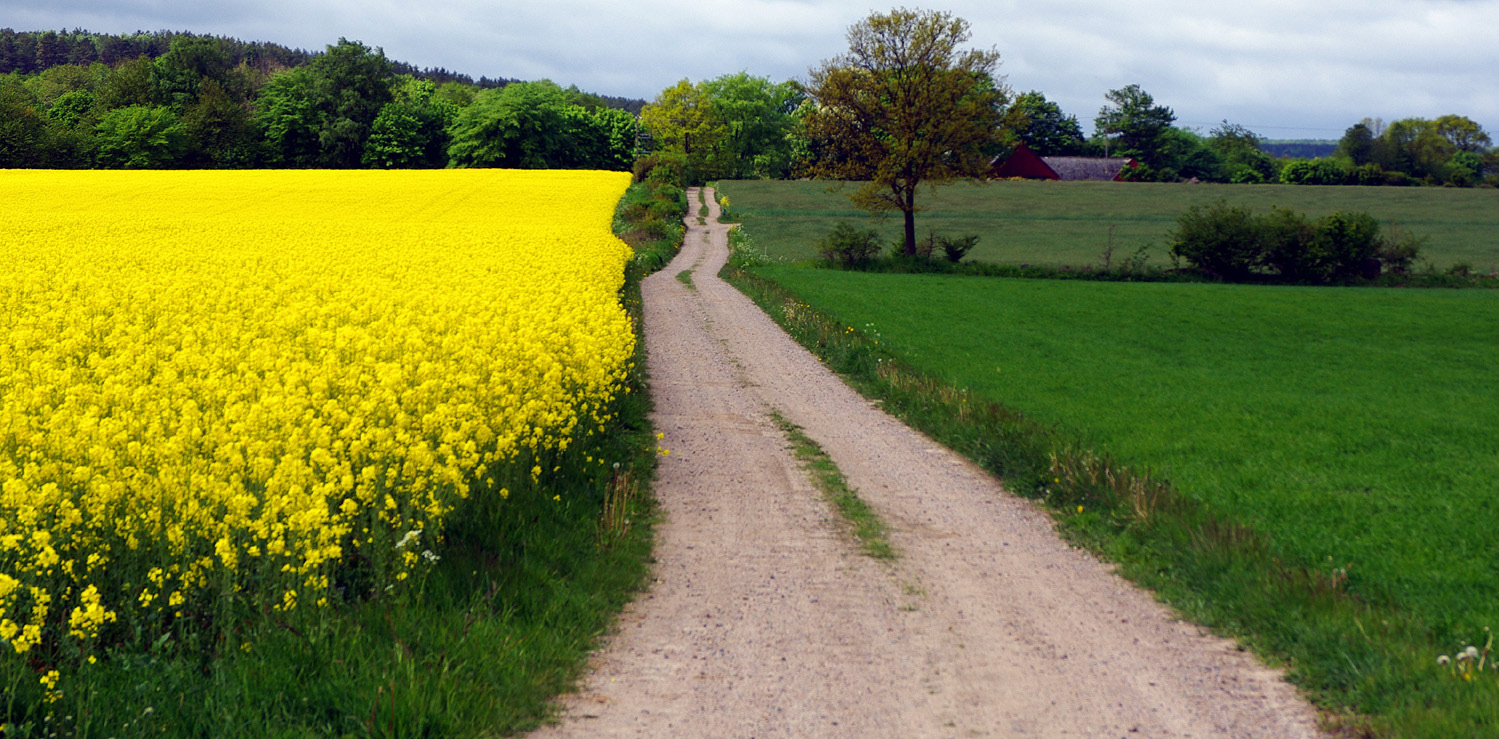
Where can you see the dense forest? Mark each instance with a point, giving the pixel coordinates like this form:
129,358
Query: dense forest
157,100
163,100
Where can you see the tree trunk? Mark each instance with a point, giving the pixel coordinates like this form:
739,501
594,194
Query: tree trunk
909,210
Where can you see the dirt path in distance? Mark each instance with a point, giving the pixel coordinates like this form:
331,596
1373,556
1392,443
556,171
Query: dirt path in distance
764,621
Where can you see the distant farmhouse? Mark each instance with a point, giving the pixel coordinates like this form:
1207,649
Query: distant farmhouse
1027,164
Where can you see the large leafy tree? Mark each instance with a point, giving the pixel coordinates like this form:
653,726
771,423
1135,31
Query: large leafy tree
411,130
535,125
682,119
757,116
23,132
178,76
1131,123
140,137
1244,159
351,84
905,106
290,120
1357,144
1040,124
519,125
218,129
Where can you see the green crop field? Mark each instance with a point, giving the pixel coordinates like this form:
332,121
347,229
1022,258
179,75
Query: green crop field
1356,429
1068,223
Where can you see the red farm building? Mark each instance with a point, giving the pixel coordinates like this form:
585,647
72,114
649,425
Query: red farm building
1026,164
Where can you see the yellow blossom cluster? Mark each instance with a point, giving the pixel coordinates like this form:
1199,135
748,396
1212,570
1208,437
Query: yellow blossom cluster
241,382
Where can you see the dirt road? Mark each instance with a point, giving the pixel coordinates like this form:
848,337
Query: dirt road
764,621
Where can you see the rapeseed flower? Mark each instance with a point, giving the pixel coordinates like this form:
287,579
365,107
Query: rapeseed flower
226,383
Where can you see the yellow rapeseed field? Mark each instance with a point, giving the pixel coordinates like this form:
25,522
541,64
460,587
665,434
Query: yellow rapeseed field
240,382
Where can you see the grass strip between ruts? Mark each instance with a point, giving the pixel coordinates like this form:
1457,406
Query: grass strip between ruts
866,525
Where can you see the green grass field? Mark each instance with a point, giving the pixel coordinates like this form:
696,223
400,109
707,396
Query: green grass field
1067,223
1356,429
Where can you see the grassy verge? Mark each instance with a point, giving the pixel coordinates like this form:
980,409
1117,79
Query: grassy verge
866,525
1309,471
1072,224
523,586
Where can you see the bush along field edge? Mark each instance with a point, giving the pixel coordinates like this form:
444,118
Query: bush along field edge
1368,666
1218,242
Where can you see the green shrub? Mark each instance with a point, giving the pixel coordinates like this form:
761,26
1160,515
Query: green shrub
1346,245
956,248
662,167
849,247
1219,239
1398,250
1314,172
1234,244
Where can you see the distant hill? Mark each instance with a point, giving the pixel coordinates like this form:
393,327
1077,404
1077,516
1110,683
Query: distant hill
29,52
1300,148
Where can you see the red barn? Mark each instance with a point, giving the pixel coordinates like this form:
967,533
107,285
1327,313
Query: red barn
1027,164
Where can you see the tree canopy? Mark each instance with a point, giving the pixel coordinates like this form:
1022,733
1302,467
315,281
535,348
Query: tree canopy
533,125
734,126
1133,124
1039,123
905,106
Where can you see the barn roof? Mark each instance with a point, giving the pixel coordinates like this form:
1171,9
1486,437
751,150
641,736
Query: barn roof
1087,168
1023,163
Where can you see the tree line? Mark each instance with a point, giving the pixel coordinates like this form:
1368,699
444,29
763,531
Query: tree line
76,99
81,100
739,126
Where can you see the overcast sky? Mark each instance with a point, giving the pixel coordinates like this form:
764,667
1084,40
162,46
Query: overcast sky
1283,68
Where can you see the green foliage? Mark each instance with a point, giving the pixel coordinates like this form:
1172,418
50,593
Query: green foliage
649,219
140,137
1038,123
350,85
534,125
1133,124
954,248
1232,243
905,106
251,105
177,77
1314,172
849,247
1220,239
219,131
1357,144
1244,160
757,118
733,126
411,131
73,108
289,119
520,126
668,167
23,133
609,136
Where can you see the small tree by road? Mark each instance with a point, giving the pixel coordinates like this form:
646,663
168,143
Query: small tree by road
905,106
